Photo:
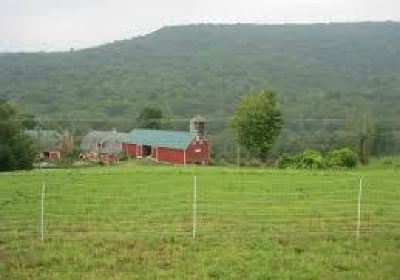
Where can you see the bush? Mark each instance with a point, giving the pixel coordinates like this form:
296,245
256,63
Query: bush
312,159
124,158
342,158
220,161
309,159
71,156
286,161
387,161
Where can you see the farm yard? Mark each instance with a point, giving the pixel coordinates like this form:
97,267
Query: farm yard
204,141
137,221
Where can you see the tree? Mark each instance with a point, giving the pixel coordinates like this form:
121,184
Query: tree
151,117
257,122
17,150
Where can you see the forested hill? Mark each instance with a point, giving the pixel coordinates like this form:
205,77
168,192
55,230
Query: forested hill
320,70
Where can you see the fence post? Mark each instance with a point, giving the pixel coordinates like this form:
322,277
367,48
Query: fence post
238,158
359,209
42,214
194,207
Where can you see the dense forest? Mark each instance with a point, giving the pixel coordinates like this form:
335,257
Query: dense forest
334,81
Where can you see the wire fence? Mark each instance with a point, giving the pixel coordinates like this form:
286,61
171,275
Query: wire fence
197,206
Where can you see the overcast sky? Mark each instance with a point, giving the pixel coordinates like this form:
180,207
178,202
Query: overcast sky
44,25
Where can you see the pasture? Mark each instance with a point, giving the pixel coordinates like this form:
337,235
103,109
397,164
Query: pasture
135,221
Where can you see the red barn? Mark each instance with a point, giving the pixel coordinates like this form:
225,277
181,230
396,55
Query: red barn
168,146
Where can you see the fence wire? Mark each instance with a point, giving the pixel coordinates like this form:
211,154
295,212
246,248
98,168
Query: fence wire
87,205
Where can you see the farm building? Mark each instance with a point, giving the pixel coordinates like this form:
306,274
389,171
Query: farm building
179,147
51,143
102,146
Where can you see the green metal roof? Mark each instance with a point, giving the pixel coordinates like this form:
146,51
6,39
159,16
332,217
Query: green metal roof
161,138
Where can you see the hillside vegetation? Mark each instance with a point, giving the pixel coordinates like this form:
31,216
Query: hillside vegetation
329,71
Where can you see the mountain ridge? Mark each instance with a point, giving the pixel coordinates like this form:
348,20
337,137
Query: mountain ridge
206,68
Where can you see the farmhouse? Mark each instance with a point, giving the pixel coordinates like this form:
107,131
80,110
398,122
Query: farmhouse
178,147
102,146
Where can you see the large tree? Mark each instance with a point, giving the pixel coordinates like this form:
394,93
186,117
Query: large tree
151,117
17,149
257,122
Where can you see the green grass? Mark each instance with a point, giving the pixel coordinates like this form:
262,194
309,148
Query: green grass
135,222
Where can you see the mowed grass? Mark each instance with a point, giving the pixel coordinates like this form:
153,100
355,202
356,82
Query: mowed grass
135,222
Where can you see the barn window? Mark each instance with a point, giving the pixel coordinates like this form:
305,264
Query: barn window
197,151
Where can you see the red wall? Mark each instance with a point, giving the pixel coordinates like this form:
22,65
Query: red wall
170,155
198,152
131,149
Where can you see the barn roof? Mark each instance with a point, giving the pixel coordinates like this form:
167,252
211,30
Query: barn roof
161,138
112,139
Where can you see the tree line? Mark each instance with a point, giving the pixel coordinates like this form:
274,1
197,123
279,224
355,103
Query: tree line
255,126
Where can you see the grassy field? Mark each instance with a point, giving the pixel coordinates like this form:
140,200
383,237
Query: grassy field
135,222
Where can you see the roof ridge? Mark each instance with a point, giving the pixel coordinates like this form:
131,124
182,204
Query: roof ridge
160,130
161,138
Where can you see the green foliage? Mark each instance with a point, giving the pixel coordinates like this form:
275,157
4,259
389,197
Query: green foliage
387,160
341,158
124,158
152,118
321,71
17,150
72,155
286,161
312,159
309,159
257,122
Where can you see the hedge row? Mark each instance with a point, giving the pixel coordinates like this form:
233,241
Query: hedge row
311,159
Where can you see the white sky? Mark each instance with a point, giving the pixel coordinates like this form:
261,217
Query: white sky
44,25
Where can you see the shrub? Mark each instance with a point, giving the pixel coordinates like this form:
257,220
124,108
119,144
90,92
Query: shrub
286,161
342,158
312,159
387,161
71,156
124,158
309,159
